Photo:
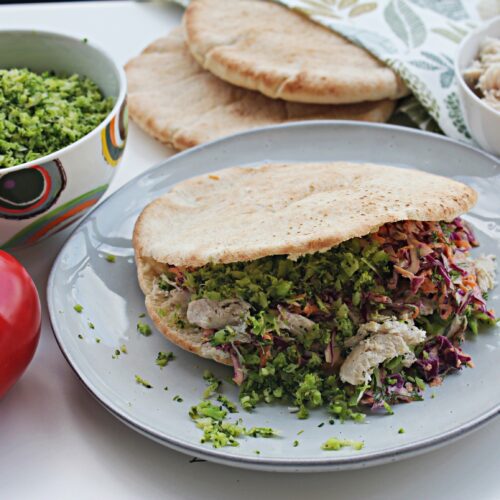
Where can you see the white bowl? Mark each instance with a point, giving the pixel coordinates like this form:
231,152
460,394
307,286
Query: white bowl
483,121
40,197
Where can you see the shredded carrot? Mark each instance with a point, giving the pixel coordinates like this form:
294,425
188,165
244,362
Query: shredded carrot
267,336
310,309
265,355
445,311
469,281
428,286
378,238
175,270
416,312
463,244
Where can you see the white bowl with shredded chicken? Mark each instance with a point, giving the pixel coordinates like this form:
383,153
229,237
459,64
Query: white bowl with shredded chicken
477,67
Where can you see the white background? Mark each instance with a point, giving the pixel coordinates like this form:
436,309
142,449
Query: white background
57,442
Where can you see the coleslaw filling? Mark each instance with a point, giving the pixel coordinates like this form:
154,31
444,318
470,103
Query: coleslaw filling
364,325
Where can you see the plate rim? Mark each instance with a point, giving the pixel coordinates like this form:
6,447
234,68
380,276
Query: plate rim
284,464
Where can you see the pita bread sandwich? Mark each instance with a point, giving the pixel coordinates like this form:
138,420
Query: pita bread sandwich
339,284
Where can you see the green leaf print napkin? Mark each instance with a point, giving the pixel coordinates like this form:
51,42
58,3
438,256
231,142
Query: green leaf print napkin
418,39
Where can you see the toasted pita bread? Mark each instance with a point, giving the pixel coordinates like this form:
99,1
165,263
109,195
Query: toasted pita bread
241,214
267,47
179,103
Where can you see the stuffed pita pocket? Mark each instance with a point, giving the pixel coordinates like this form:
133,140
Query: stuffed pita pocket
323,283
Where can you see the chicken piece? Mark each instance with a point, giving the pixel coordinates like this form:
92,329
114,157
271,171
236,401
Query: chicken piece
296,324
383,325
485,271
213,314
387,340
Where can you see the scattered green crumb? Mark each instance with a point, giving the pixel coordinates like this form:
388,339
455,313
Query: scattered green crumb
163,358
85,40
388,408
142,315
111,258
165,388
322,424
177,398
210,418
295,444
336,444
117,352
98,340
331,421
300,432
144,329
80,336
207,409
91,325
213,384
257,452
420,383
78,308
123,349
433,395
264,432
229,405
143,382
401,430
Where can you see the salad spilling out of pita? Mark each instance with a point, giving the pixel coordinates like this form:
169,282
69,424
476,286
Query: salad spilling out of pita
350,286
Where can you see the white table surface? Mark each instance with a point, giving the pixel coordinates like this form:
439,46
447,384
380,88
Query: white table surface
57,442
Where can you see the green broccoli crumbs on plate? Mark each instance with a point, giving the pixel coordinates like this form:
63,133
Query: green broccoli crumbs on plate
336,444
211,418
111,258
78,308
42,113
163,358
143,382
143,329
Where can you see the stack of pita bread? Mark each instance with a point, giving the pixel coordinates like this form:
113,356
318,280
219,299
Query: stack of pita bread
241,64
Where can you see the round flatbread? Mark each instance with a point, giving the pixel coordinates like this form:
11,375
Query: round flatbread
240,214
267,47
179,103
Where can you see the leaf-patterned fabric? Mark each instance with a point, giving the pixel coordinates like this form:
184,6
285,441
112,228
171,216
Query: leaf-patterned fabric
417,38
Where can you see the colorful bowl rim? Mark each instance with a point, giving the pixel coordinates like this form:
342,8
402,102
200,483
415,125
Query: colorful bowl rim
122,94
459,71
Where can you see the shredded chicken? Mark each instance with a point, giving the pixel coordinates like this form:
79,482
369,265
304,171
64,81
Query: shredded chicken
386,341
483,76
486,272
296,324
214,314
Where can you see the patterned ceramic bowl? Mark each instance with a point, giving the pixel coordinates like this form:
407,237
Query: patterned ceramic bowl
41,197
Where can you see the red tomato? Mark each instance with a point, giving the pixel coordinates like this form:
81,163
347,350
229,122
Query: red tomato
20,320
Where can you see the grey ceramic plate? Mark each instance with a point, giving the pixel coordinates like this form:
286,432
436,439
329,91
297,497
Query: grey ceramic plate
112,301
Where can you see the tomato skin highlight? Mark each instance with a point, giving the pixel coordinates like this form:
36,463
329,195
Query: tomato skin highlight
20,320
